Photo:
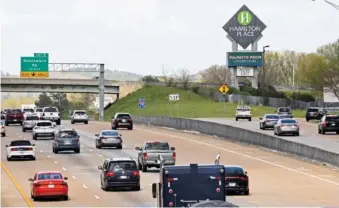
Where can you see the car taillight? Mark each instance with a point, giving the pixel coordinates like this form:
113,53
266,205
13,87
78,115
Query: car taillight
109,174
29,149
244,178
282,125
56,139
78,140
14,149
37,184
2,127
136,173
145,156
64,184
174,155
324,124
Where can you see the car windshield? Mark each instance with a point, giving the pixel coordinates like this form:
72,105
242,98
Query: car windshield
1,123
80,113
288,121
32,118
51,110
28,110
20,143
312,110
272,117
67,134
44,124
122,165
38,110
284,110
110,133
15,111
50,176
157,146
332,118
126,116
234,170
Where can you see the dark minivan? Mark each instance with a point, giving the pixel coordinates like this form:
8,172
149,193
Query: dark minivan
329,123
236,180
66,140
314,113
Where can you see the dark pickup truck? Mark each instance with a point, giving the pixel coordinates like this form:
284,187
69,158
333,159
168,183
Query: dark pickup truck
14,116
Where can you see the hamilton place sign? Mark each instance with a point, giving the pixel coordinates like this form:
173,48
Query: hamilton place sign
244,27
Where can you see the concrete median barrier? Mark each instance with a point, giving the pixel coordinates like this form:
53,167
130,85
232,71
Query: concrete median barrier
242,135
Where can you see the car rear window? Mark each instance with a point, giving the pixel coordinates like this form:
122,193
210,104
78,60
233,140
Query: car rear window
157,146
126,116
234,170
67,134
29,110
272,117
313,110
15,111
332,118
288,121
39,110
51,110
49,176
80,113
1,123
122,165
110,133
44,124
284,110
32,118
20,143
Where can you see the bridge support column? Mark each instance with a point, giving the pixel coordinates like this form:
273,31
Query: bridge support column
102,92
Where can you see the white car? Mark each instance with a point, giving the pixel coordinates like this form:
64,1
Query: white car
27,111
43,129
20,149
38,112
243,112
79,116
51,114
3,129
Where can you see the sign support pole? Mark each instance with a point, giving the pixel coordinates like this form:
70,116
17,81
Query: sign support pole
255,78
234,78
102,92
225,103
177,108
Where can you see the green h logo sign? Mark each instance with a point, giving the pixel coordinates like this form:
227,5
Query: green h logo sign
244,18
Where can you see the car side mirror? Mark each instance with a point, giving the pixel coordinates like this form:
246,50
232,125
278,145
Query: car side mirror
112,117
120,134
172,148
245,172
100,167
96,134
65,178
138,148
260,118
154,190
33,144
30,179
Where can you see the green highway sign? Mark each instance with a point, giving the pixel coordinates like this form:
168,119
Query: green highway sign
35,67
245,59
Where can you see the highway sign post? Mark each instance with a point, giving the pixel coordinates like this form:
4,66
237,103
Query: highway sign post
244,29
174,98
35,67
142,103
223,89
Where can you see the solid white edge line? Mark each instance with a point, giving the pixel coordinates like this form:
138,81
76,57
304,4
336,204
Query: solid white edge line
63,168
74,177
244,155
55,162
41,151
83,185
48,156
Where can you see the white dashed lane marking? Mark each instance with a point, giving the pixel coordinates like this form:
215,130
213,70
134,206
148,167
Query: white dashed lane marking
83,185
48,156
91,150
41,151
64,169
100,155
55,162
95,196
74,177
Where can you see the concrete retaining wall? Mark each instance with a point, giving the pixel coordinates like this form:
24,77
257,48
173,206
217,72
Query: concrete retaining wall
242,135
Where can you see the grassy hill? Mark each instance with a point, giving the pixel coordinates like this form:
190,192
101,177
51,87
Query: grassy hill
191,105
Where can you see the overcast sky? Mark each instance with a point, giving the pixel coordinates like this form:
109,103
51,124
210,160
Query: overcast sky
142,35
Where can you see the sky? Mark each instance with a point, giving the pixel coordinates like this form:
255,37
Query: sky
144,36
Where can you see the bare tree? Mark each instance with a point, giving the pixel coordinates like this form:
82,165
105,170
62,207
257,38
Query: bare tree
183,77
169,78
270,73
215,75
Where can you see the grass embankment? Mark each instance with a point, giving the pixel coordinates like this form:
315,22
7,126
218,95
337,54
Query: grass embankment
191,105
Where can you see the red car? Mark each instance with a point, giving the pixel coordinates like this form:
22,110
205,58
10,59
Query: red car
49,184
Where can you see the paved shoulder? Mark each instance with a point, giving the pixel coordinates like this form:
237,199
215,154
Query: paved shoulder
329,143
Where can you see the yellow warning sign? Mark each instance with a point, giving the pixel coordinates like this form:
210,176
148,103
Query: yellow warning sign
34,74
223,89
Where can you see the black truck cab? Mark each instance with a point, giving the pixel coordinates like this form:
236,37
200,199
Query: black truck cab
185,185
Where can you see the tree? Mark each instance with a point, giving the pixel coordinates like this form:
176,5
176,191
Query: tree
168,78
61,102
44,100
215,75
150,79
184,78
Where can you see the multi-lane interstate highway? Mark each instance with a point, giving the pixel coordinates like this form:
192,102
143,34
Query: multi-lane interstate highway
275,180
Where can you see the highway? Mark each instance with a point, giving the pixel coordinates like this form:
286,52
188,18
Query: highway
308,132
275,179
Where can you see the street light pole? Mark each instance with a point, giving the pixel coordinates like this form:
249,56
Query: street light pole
336,6
263,62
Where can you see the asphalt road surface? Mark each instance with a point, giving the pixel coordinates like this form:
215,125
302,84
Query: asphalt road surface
275,180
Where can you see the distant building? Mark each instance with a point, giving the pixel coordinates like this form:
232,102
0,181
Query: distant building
329,97
107,101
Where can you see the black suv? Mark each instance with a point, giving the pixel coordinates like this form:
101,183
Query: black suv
329,123
314,113
119,173
122,120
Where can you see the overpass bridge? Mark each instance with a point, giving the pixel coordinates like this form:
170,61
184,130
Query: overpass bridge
57,85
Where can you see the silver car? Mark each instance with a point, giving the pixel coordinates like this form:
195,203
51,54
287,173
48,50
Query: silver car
79,116
286,126
108,138
29,122
268,121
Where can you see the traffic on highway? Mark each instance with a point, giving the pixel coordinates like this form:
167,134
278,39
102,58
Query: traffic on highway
122,166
